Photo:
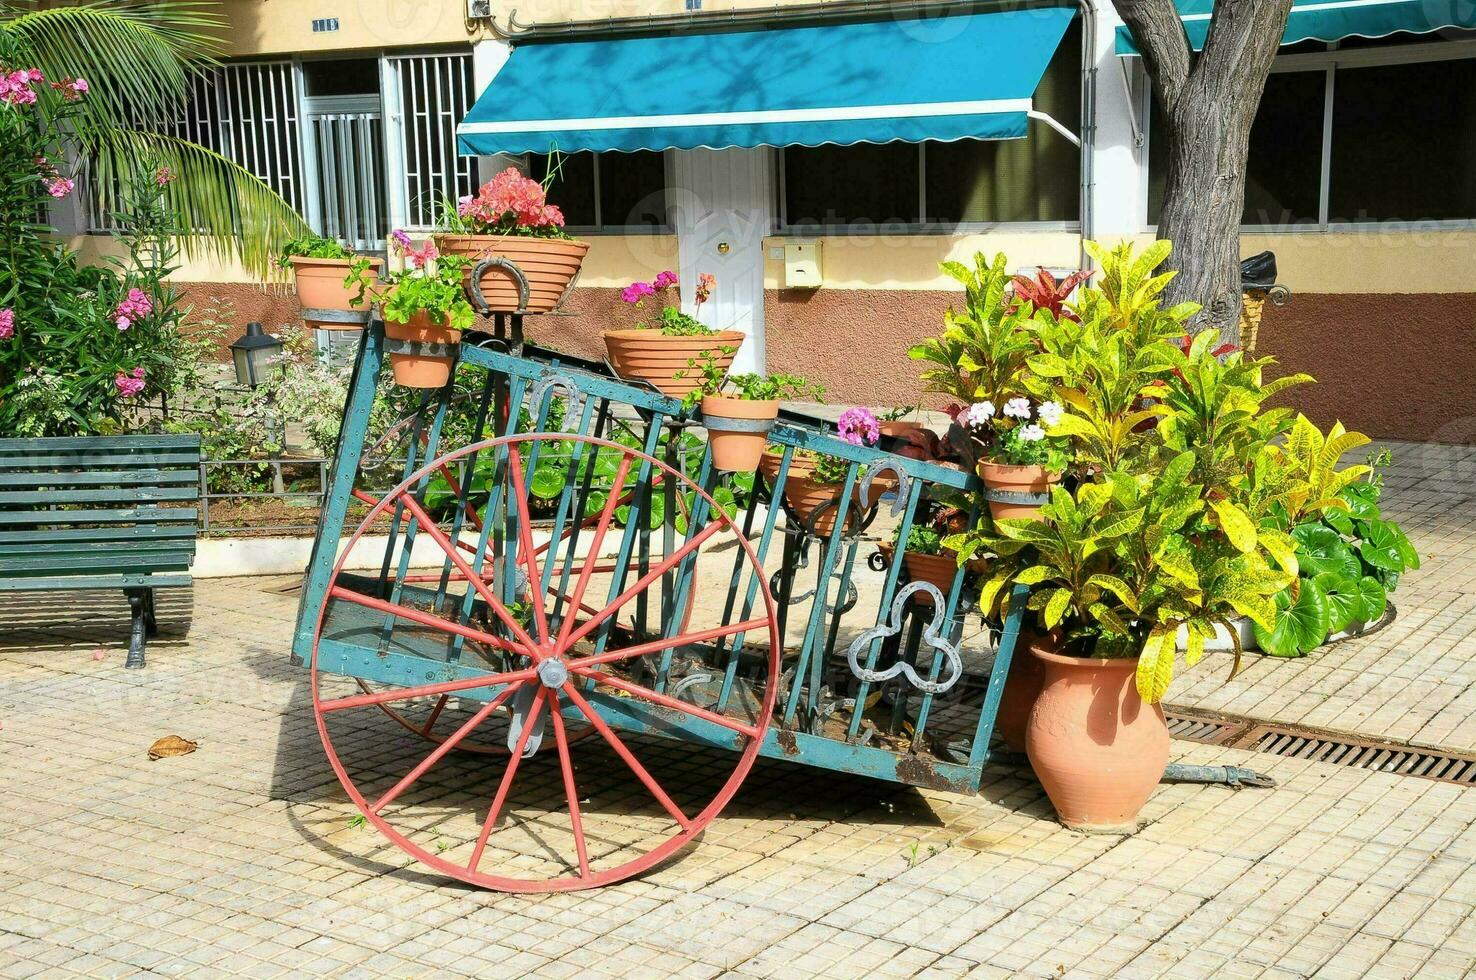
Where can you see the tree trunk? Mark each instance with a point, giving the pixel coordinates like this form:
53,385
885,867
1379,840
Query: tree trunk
1209,102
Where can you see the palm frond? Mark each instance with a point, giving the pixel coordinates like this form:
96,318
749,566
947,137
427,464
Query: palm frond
225,211
138,56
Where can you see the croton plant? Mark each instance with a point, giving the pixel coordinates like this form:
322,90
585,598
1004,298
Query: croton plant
1187,503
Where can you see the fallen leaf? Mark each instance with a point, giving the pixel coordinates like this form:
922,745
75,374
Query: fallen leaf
170,746
99,653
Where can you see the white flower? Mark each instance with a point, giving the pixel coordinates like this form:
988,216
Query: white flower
1018,408
1050,413
979,413
1032,433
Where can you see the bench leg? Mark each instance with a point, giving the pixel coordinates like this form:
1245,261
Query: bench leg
139,602
150,623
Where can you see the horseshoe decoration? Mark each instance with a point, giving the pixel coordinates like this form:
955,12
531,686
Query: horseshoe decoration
876,469
931,637
568,388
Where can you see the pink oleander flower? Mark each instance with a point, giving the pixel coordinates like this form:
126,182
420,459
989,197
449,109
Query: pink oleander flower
15,86
132,308
129,385
858,427
71,88
706,282
7,323
637,291
163,176
60,187
664,280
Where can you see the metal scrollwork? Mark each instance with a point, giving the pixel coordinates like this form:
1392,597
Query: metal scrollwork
572,395
931,636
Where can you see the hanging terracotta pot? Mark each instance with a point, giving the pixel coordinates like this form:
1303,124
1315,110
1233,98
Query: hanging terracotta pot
650,356
1096,747
1016,479
320,285
422,370
549,264
738,430
806,495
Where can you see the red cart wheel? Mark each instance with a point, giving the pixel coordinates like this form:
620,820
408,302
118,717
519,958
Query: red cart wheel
533,820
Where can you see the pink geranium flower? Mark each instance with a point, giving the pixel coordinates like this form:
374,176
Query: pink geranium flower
7,323
509,201
858,427
664,280
637,291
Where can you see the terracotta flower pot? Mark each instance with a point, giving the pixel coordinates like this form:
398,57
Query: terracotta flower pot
805,495
422,370
648,355
898,428
1021,690
738,449
548,263
320,285
937,570
1098,750
1016,479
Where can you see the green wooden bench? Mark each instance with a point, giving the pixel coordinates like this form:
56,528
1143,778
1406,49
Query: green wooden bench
110,512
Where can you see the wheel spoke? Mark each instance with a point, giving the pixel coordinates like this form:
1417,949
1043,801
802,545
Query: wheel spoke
640,586
626,754
506,785
425,690
440,751
439,536
525,544
435,713
569,789
424,619
657,646
647,694
576,602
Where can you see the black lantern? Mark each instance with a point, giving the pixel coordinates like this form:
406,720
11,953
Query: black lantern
253,354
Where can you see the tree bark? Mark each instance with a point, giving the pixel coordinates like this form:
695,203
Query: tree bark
1209,101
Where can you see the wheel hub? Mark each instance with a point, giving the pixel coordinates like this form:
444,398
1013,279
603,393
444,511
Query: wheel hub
553,673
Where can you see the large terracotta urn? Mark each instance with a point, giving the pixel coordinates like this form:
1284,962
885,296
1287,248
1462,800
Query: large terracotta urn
1095,746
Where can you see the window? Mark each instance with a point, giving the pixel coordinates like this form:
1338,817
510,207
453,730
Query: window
943,184
614,191
1403,143
1399,139
1284,170
434,93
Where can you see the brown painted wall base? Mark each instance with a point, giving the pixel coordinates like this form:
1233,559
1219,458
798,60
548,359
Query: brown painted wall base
1394,366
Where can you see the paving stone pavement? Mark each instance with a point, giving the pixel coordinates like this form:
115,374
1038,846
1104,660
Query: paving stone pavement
243,857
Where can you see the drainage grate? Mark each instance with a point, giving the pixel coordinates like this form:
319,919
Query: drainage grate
1331,747
1210,729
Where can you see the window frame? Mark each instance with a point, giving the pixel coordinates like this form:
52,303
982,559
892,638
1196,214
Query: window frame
1328,62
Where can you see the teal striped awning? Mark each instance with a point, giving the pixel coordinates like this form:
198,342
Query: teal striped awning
968,76
1333,20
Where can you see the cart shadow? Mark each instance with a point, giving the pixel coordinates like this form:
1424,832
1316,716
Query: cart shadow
39,623
776,796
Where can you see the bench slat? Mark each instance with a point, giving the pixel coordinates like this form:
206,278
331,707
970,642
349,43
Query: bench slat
41,552
125,495
63,564
73,444
87,535
124,478
32,461
71,582
116,515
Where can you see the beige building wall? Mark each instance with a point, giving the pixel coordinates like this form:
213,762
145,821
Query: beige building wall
277,27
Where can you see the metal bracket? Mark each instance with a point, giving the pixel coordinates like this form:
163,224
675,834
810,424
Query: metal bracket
558,309
720,423
420,347
1016,497
931,637
522,704
349,318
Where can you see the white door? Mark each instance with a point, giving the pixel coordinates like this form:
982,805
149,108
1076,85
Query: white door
720,202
